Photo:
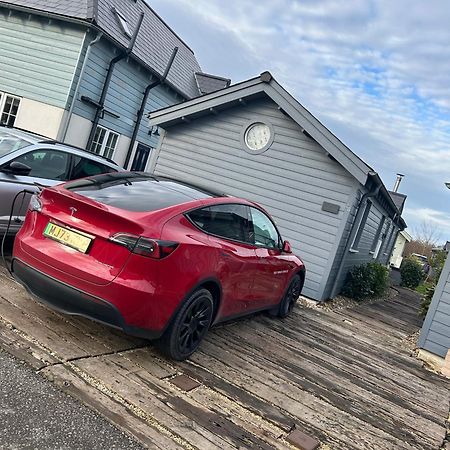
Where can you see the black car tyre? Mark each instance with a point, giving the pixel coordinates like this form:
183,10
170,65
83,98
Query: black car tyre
189,326
290,297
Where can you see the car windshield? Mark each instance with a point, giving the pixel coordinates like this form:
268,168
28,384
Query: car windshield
9,143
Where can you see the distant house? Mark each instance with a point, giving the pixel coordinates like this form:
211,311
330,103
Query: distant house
397,253
69,71
255,140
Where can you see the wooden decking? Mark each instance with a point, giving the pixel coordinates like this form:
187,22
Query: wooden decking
343,377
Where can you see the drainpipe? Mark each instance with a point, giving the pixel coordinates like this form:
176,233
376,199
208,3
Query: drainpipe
140,113
101,103
77,88
351,236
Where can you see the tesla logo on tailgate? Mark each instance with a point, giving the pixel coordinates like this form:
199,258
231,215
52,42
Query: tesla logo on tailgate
73,210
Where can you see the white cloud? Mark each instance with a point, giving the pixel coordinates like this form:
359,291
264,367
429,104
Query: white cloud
377,72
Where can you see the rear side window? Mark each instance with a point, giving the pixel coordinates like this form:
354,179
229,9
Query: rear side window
49,164
230,221
84,167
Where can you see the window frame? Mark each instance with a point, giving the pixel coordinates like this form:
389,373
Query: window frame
103,151
361,226
3,98
377,242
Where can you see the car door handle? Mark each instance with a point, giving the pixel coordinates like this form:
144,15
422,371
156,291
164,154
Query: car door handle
224,254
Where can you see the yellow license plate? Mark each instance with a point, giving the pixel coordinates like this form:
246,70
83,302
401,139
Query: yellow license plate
67,237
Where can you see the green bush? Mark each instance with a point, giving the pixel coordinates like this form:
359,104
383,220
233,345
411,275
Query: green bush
367,280
381,278
411,272
426,301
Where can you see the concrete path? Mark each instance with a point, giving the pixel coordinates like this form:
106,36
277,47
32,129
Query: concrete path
345,378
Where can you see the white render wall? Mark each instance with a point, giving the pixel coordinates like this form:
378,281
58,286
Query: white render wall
39,117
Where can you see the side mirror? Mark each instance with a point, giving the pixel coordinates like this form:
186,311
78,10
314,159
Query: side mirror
17,168
287,247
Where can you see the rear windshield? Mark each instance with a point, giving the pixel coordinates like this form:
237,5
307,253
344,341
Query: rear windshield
9,143
136,191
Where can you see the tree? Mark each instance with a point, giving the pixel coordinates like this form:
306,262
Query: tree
427,233
426,237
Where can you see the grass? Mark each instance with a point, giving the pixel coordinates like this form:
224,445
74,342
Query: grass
422,288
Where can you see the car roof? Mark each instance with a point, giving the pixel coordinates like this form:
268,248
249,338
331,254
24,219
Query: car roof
32,138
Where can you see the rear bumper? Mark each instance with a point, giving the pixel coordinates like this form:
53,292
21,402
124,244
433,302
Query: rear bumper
69,300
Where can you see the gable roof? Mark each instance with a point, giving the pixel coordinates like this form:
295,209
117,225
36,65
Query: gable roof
154,44
266,85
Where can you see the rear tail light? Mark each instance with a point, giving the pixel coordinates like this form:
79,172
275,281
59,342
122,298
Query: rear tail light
35,204
152,248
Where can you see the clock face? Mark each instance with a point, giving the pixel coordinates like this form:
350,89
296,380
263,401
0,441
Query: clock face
257,136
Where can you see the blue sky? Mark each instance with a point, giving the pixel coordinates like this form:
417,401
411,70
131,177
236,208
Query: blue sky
377,73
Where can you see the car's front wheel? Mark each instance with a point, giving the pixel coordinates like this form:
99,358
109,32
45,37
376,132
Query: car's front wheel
189,326
290,298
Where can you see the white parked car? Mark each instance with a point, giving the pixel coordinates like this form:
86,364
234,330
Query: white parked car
28,160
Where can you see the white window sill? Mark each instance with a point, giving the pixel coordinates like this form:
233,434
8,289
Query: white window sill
352,250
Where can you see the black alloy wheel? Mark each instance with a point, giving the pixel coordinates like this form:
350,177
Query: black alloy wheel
290,297
189,326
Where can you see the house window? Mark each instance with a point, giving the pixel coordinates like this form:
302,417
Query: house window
378,239
9,106
361,226
104,142
389,242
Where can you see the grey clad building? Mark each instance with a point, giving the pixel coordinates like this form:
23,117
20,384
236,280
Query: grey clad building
84,71
256,141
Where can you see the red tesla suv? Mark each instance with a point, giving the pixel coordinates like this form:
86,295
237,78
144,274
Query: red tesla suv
155,257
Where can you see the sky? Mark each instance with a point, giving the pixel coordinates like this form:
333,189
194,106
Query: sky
376,73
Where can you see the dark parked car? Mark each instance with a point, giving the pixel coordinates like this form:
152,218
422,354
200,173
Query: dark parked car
155,257
26,159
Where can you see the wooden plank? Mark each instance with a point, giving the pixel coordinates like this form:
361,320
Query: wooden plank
339,388
206,406
118,414
152,401
306,408
90,336
60,345
380,375
24,350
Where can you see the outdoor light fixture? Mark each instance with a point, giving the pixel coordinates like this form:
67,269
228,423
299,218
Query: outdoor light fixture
153,131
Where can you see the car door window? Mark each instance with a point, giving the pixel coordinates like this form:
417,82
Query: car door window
230,221
263,232
49,164
85,167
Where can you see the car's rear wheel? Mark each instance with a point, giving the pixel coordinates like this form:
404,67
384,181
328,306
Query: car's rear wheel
189,326
290,297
